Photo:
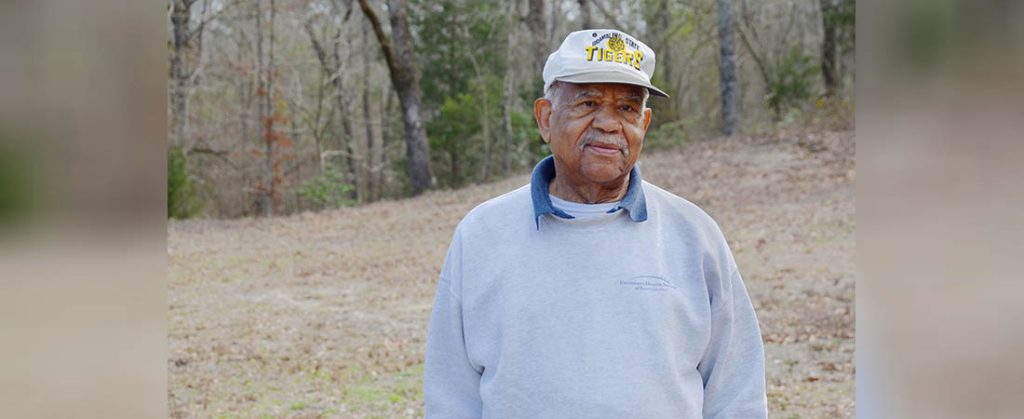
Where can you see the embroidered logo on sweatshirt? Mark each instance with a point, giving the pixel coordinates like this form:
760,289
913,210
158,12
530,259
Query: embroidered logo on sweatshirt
648,283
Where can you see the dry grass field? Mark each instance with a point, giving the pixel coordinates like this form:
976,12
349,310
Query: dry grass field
325,314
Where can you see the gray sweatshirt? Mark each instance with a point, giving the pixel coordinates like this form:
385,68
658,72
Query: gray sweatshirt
638,313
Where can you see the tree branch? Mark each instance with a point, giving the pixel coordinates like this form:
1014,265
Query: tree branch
762,68
222,155
212,17
317,47
611,18
382,38
759,60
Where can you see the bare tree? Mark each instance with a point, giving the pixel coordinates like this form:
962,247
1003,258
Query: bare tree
331,67
187,44
609,17
829,57
317,128
585,22
508,83
727,67
661,27
555,29
371,143
485,118
405,75
385,138
265,74
538,36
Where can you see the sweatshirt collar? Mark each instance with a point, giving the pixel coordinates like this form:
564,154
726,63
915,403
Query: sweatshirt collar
633,202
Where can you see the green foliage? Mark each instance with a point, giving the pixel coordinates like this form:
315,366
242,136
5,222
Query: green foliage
524,130
458,120
459,136
667,135
462,54
183,200
793,81
459,41
842,16
327,190
19,181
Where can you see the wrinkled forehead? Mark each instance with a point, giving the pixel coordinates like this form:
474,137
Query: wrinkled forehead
604,90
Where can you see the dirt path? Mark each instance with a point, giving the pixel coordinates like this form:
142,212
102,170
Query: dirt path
325,315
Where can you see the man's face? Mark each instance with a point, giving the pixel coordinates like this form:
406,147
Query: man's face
595,131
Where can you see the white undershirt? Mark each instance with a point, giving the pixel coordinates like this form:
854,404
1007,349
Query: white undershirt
583,211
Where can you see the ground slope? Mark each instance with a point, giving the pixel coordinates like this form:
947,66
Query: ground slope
325,315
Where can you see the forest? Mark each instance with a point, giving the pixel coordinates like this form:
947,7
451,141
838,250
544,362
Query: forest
283,106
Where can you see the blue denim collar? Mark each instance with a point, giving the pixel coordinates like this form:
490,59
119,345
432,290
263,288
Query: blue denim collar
633,202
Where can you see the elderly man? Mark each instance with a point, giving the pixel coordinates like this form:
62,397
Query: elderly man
590,293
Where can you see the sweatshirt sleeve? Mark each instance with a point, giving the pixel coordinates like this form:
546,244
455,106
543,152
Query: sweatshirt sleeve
451,385
733,363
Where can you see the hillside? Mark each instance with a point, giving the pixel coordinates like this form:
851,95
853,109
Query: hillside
325,314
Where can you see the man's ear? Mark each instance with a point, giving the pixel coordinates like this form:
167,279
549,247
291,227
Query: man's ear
542,113
647,118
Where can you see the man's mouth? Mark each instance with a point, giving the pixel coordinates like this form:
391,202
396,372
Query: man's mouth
606,149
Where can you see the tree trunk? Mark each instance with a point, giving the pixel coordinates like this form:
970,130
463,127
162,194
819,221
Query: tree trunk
454,180
761,64
332,69
727,67
269,138
828,47
508,84
405,75
356,154
244,87
538,36
506,120
318,131
266,201
488,144
554,24
368,163
585,22
181,15
348,134
665,46
385,139
486,133
345,118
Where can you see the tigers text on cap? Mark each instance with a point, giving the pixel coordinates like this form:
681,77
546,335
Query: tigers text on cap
602,56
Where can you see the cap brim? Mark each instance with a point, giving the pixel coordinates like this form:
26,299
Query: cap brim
609,77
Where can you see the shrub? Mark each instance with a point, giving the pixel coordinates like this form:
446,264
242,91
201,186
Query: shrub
183,199
327,190
667,135
792,84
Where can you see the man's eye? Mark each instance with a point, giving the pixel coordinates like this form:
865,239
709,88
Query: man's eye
627,108
588,103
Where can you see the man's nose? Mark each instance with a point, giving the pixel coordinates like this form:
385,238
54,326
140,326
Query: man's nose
606,120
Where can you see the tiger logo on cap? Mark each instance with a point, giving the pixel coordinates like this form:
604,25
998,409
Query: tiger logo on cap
616,44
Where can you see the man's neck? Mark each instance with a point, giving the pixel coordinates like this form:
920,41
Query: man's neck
588,193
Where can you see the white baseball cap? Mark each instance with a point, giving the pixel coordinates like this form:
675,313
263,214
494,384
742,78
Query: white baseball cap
602,56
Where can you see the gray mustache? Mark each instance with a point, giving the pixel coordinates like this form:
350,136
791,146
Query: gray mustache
617,142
